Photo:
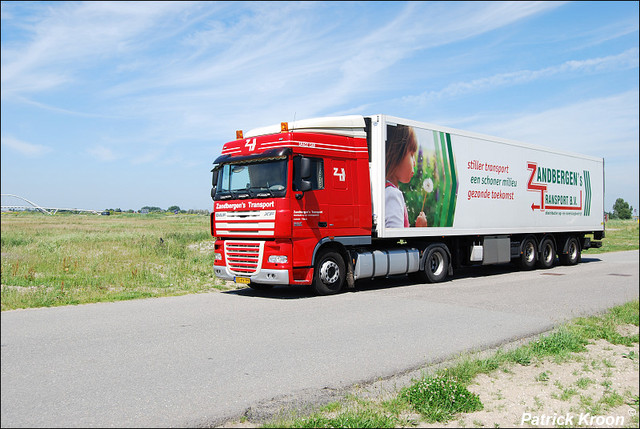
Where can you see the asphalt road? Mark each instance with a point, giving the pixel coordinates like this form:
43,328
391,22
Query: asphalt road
198,360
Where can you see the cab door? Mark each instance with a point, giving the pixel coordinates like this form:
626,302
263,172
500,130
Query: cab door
342,201
310,211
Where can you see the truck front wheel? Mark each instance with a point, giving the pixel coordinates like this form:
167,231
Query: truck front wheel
329,273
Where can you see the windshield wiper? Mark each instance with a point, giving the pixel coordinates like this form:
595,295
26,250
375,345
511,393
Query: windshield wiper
224,195
261,192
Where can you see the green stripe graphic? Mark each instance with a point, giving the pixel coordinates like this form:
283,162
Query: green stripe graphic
587,197
448,185
453,190
447,182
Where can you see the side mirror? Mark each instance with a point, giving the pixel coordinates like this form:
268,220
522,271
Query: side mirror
214,182
214,178
301,172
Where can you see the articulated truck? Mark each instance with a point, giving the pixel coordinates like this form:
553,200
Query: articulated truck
327,201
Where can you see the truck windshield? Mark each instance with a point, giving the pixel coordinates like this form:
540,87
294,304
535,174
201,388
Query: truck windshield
263,179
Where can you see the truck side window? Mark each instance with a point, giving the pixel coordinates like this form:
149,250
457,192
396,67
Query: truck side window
317,174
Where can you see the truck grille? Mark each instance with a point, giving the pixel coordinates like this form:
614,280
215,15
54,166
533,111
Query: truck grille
243,257
245,223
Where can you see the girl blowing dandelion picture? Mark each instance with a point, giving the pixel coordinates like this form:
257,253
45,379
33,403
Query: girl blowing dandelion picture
411,187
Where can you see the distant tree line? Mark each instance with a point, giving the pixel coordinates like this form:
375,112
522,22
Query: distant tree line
154,209
621,210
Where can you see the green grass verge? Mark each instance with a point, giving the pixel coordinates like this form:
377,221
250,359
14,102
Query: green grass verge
361,418
619,235
442,395
75,259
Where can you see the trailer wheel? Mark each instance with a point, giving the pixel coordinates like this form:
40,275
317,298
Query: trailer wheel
436,264
528,254
573,256
547,253
329,273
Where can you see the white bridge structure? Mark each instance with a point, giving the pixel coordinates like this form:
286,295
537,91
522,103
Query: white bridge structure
31,206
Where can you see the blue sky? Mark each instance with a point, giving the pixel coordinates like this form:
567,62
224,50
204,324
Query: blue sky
125,104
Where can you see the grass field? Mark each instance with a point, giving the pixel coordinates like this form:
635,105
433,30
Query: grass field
74,259
619,235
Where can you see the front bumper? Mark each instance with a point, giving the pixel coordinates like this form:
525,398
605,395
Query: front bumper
264,276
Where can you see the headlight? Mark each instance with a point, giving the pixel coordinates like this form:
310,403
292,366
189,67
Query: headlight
278,259
218,256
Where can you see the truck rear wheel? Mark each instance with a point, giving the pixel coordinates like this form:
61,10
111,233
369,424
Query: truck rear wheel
436,264
573,256
547,253
329,273
528,254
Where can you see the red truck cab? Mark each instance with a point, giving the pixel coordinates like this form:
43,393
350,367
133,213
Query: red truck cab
287,201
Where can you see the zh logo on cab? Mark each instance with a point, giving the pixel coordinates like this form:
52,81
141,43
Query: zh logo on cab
250,144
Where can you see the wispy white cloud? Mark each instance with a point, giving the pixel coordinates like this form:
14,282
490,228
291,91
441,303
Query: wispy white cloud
102,153
27,149
416,28
239,54
149,156
597,35
303,68
74,36
56,109
604,127
623,61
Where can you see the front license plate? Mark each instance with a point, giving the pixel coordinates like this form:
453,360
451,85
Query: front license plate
245,280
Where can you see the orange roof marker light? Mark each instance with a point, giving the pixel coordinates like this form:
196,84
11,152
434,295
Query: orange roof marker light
238,134
284,127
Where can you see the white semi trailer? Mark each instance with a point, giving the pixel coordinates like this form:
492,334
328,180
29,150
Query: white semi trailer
367,196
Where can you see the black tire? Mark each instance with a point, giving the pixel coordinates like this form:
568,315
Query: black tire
260,286
547,256
573,255
528,254
329,273
436,264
